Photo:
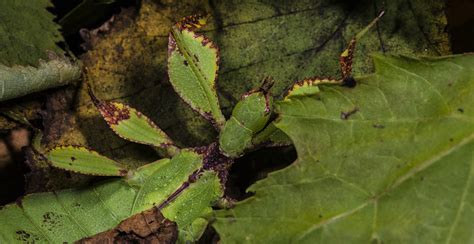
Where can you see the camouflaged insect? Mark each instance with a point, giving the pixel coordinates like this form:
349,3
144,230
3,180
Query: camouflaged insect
185,186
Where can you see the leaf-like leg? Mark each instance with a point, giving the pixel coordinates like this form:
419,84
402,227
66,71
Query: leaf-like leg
345,59
132,125
85,161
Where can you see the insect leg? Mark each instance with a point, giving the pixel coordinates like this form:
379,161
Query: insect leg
345,59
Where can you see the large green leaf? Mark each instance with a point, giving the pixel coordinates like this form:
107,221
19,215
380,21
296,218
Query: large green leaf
389,161
18,81
72,214
27,32
30,59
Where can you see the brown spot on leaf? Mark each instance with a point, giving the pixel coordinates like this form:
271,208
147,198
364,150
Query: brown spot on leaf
50,220
461,110
192,22
112,112
73,159
346,115
205,41
146,227
26,237
185,62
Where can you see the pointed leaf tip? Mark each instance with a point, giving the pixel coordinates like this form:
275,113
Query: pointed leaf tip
193,22
84,161
192,68
130,124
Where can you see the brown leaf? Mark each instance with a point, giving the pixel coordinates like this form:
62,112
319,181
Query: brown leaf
146,227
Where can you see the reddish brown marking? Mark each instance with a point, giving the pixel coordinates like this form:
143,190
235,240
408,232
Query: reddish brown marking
264,88
112,114
346,61
171,44
205,41
216,161
190,22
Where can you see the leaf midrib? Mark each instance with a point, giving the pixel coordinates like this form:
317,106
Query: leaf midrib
201,79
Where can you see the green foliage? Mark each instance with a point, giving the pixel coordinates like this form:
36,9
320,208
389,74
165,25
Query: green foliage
132,125
292,40
390,160
85,161
27,32
288,40
185,187
18,81
69,215
192,68
30,59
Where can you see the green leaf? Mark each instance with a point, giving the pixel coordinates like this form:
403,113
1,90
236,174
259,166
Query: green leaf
18,81
192,69
70,215
27,31
132,125
390,161
84,161
292,40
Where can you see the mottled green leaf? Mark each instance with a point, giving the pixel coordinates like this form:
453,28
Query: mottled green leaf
84,161
389,161
132,125
69,215
27,32
293,40
18,80
192,69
